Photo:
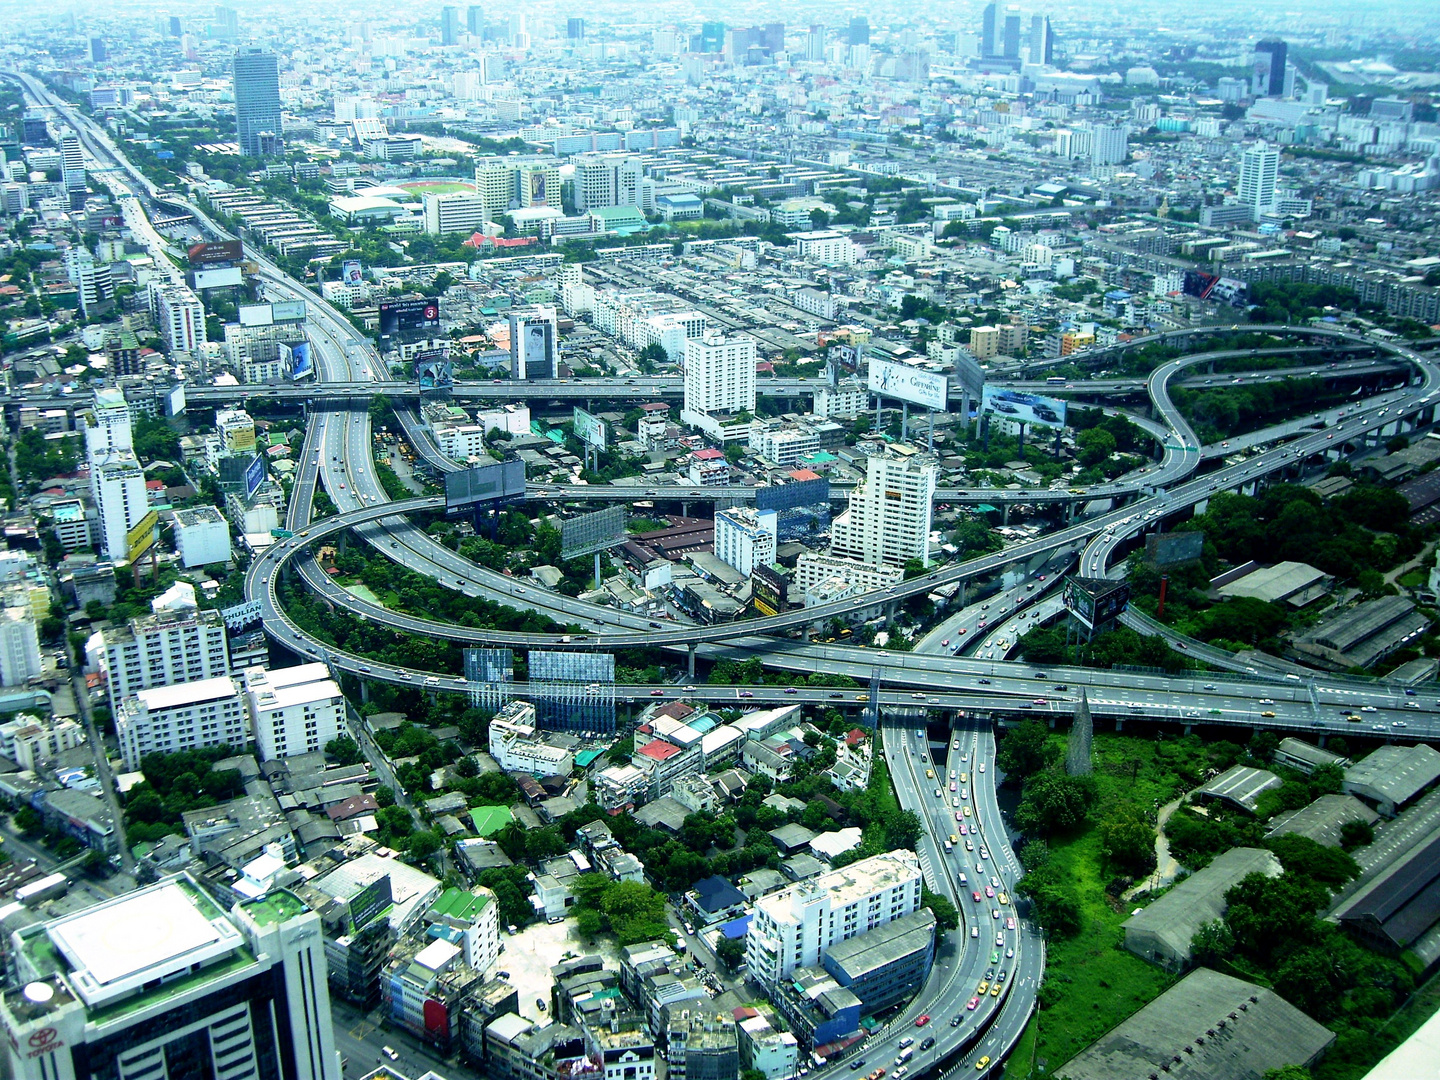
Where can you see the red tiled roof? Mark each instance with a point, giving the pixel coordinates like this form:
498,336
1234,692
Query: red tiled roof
659,749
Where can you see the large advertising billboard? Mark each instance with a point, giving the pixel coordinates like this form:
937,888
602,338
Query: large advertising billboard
254,475
217,253
351,272
256,314
218,278
970,375
1095,601
589,533
1173,549
485,485
434,370
175,400
789,496
141,538
298,360
925,388
768,590
288,311
1025,408
408,314
370,902
589,428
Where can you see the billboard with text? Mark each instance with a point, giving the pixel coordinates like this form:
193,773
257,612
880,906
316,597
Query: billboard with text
927,389
1024,408
216,253
589,428
351,272
298,360
408,315
141,538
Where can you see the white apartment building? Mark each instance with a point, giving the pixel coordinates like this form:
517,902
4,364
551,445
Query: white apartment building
106,425
826,247
117,485
1259,169
846,400
605,178
176,643
814,302
520,746
815,570
31,742
202,536
295,710
72,527
236,428
453,212
719,379
783,444
793,927
460,442
178,316
745,537
506,183
19,646
186,716
887,520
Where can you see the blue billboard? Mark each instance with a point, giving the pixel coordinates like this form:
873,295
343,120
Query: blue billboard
298,360
254,476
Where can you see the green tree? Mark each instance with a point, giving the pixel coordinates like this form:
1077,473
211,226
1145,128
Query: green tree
1355,834
1094,446
421,845
1287,1072
1025,750
1127,839
344,750
1212,943
946,917
1054,802
730,952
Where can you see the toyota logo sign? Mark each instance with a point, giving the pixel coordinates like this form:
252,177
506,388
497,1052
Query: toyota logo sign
43,1038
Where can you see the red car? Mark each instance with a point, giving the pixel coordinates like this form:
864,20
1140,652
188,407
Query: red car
973,1002
923,1020
976,896
657,693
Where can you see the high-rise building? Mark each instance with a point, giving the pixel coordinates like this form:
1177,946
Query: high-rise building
745,537
98,52
455,211
19,646
533,337
257,102
226,26
179,316
712,37
117,484
773,39
815,43
607,179
175,643
72,162
1107,144
719,377
175,28
475,21
575,30
1259,168
1011,40
887,521
294,710
449,25
793,927
1042,40
1269,69
989,38
859,33
161,982
186,716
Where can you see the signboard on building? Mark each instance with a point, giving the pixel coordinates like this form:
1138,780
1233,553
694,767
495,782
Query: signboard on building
1173,549
789,496
370,902
219,277
490,674
589,533
408,315
573,691
217,253
589,428
485,485
240,616
254,475
175,400
768,590
288,311
141,538
298,360
351,272
1095,601
256,314
1035,409
924,388
434,370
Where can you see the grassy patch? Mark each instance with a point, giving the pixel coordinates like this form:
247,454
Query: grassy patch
1413,579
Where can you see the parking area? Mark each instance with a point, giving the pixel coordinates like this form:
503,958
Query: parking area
530,954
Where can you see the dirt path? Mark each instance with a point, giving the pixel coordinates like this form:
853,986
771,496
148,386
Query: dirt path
1166,868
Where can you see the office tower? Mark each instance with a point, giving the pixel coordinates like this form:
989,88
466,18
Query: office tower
294,710
106,425
226,25
175,28
815,43
1042,41
859,31
1269,69
518,27
160,982
187,716
1011,41
532,342
774,38
72,162
1107,144
175,643
575,30
988,39
257,102
793,927
449,25
607,179
712,37
475,21
719,376
98,53
456,211
887,521
745,537
1259,168
94,286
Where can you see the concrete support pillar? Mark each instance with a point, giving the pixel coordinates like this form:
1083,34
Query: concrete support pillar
1119,725
1052,723
805,632
691,650
1189,728
364,691
684,509
1322,741
1005,515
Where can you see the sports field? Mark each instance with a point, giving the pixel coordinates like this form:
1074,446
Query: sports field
435,187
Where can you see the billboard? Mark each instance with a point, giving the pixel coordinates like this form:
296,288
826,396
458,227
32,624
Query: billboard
141,538
1173,549
434,370
537,188
589,428
256,314
298,360
789,496
491,677
924,388
219,277
370,902
573,691
589,533
288,311
254,475
970,375
240,616
407,314
484,485
1024,408
1095,601
216,253
768,590
351,272
175,400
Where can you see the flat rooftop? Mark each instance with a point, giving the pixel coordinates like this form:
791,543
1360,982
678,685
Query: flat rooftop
190,693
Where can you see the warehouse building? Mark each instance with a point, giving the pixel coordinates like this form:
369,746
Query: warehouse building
1240,786
1208,1026
1323,819
1365,634
1292,583
1162,932
1393,776
1396,908
1301,756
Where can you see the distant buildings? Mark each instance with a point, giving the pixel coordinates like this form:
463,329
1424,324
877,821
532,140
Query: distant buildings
257,103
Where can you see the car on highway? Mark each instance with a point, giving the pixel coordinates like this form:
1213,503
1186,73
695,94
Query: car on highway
857,1064
957,1020
973,1002
922,1020
389,1052
975,895
983,1063
927,1044
974,931
1268,714
657,693
982,989
1010,925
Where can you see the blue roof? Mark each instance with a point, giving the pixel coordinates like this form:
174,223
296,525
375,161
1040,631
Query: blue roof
737,928
715,894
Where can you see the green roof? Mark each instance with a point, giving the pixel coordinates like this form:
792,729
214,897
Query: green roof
276,907
490,819
585,757
460,904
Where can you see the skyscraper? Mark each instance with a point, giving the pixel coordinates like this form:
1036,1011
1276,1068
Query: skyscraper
475,20
987,30
712,37
257,102
774,37
859,30
887,521
719,376
98,53
1042,42
449,25
1012,33
1259,167
226,25
815,43
1107,144
1269,69
575,30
